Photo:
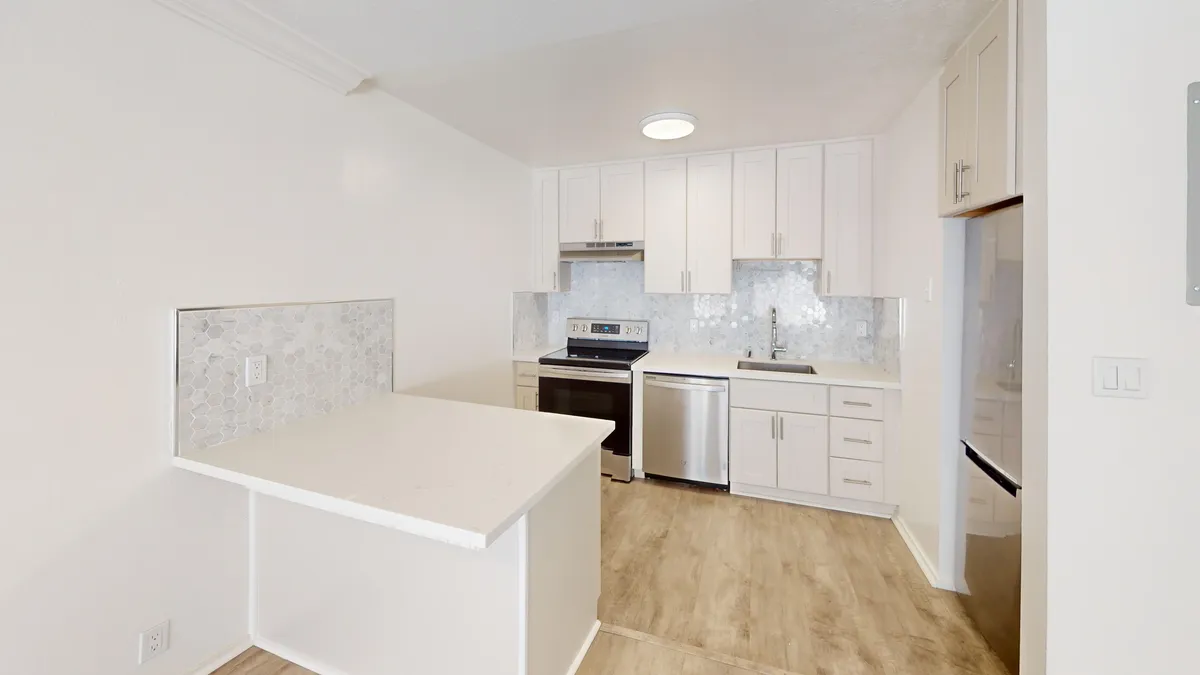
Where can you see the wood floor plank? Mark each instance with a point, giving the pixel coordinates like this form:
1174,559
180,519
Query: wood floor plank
800,589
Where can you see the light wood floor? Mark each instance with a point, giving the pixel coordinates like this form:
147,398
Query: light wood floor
696,582
806,590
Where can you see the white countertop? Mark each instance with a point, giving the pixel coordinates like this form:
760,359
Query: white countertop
459,473
725,365
532,355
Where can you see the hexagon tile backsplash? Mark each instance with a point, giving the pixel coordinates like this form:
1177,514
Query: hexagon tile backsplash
810,325
320,357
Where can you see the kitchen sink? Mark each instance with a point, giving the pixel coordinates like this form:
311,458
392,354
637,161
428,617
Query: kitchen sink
778,367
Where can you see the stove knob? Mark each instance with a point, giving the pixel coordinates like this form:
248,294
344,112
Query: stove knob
628,330
639,330
574,328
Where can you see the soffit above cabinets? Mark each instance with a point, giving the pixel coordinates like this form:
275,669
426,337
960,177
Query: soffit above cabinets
555,83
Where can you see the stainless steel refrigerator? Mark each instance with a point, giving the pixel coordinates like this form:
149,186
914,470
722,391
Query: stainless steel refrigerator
991,429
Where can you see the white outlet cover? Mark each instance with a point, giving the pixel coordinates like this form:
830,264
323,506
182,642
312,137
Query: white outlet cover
154,641
863,329
256,369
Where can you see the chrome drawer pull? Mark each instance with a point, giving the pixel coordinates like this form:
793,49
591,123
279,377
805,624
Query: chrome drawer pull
860,404
857,440
854,481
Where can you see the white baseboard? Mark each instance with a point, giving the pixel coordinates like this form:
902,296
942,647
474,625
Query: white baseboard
225,657
819,501
298,658
917,552
587,644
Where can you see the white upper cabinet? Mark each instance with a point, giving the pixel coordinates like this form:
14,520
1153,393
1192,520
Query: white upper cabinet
548,274
992,62
979,116
579,205
849,217
799,211
709,224
666,226
957,106
621,205
754,235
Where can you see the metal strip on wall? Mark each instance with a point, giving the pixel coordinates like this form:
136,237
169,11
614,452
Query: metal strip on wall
1193,197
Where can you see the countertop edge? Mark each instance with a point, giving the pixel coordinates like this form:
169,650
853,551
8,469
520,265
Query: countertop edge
445,534
766,376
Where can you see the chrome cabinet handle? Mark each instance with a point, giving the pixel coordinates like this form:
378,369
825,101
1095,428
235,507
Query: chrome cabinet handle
779,246
781,428
537,400
596,229
858,404
860,441
962,180
828,282
772,427
689,281
957,174
555,281
855,481
774,240
682,285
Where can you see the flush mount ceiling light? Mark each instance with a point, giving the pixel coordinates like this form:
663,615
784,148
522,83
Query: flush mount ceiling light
668,126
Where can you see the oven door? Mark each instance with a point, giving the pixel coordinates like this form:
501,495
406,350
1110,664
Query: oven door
591,392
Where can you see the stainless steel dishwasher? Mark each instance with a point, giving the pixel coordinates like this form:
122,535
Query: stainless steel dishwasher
685,429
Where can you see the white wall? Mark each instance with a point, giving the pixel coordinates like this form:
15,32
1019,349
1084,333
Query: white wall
148,164
911,249
1122,474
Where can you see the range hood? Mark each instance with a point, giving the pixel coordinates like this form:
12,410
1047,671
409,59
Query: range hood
602,251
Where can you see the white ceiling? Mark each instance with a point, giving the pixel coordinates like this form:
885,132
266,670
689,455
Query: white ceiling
558,82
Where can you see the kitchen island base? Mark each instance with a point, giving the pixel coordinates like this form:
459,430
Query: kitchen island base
345,597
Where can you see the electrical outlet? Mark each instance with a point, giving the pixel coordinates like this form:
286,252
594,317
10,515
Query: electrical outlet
863,329
154,641
256,370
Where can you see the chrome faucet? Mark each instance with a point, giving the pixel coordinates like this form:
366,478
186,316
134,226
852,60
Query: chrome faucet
776,350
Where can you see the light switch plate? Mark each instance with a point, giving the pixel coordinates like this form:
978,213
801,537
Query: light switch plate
1120,378
1193,194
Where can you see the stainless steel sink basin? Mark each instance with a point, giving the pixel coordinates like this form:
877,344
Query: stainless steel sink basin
778,367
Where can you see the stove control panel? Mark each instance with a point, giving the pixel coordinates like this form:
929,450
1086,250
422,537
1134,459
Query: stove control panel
608,329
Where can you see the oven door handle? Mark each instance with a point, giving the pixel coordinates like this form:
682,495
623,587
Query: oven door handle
586,374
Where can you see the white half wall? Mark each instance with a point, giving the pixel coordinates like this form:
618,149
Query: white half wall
913,262
1122,508
148,164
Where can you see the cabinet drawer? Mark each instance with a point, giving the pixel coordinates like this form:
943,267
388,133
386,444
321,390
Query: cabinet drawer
808,399
856,439
988,417
854,479
857,402
527,374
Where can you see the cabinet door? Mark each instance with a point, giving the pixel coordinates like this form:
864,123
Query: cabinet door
621,204
545,233
992,148
752,447
804,453
800,192
666,225
710,224
956,120
579,205
527,398
754,235
849,217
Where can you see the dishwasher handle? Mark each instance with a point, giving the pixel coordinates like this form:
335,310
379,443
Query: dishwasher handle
687,383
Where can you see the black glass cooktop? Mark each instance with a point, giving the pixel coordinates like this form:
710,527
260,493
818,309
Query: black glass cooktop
592,357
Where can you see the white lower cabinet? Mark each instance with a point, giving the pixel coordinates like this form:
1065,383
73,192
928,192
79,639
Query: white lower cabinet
804,453
527,398
752,447
789,441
